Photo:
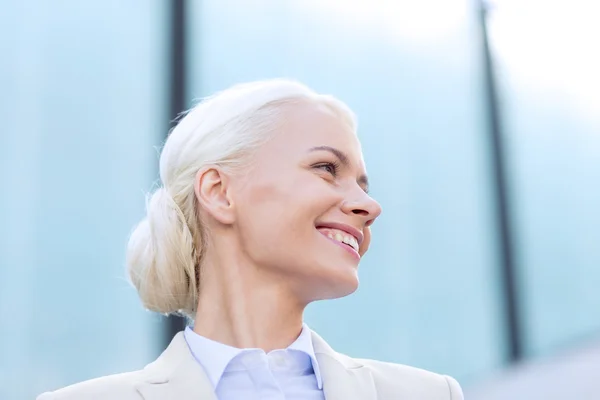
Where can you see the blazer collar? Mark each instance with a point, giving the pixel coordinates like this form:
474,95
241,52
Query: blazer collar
177,375
344,378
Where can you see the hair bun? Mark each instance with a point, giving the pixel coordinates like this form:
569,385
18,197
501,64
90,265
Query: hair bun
160,258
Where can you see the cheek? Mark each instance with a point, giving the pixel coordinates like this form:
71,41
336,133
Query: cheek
364,246
276,217
268,216
286,200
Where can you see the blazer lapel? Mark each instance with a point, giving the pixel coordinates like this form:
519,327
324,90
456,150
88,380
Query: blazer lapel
344,378
176,375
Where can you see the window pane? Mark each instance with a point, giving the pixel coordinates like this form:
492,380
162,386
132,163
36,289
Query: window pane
550,85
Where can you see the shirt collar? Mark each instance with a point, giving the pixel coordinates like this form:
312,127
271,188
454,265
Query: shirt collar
305,345
215,356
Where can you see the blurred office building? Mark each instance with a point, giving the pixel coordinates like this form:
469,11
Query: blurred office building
480,125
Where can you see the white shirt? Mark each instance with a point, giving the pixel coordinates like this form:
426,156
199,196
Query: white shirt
252,374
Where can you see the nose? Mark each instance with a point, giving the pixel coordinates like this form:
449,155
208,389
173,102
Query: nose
364,206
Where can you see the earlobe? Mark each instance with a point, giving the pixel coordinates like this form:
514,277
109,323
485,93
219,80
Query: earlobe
211,189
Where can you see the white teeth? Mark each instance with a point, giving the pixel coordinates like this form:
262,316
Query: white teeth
344,238
351,241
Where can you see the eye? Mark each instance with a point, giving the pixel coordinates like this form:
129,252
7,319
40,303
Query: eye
329,167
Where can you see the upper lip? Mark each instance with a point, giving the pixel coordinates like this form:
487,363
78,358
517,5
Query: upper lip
358,235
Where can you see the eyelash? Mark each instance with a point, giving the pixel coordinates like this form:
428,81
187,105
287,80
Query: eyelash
330,167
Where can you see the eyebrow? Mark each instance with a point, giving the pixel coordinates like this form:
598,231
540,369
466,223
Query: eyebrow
362,180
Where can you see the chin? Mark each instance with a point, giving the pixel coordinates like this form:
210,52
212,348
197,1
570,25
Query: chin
338,286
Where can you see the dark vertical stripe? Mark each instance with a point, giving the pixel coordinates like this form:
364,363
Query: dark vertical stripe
178,99
498,158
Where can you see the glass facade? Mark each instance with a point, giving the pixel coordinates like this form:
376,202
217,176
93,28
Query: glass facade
549,83
82,107
85,103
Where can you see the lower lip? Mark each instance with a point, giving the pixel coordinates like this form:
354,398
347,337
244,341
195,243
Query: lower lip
349,249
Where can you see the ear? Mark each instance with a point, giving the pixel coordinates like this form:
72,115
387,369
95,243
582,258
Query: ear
211,189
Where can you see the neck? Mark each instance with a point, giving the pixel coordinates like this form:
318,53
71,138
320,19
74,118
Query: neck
241,307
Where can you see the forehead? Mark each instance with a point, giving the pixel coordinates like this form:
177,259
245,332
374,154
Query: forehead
308,125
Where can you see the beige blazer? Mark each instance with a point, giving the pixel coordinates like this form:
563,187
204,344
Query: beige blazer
176,375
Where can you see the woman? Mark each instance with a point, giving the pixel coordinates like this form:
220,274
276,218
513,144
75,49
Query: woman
264,208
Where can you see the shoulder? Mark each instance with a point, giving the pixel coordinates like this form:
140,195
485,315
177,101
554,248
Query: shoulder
394,379
120,386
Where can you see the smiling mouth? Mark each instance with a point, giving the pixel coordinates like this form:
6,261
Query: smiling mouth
341,237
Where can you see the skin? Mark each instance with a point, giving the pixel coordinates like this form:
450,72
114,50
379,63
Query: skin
267,258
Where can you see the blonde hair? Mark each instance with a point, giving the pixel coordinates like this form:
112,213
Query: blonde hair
166,248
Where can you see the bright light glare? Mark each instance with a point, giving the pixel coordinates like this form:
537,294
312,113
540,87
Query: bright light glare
551,46
410,20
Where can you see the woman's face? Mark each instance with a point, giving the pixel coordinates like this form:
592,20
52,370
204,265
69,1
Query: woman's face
303,214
